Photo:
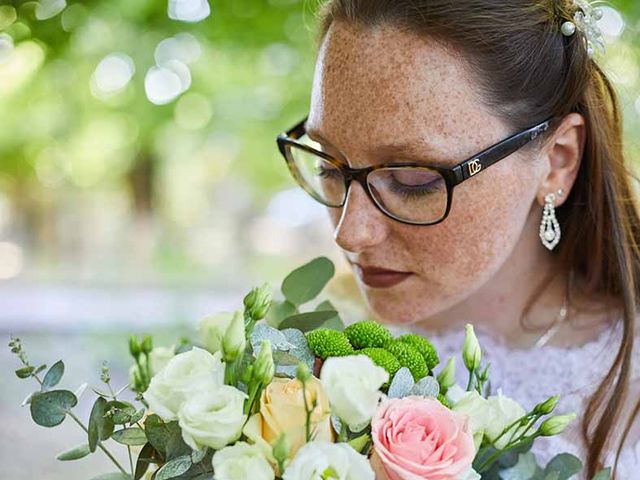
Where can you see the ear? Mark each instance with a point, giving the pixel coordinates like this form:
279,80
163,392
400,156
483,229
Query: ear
563,152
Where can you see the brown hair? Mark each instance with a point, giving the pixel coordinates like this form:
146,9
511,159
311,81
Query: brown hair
528,71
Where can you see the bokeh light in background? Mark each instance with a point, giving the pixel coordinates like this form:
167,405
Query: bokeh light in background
140,184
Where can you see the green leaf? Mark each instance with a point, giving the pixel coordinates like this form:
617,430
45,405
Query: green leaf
307,321
100,425
49,409
53,376
166,438
130,436
74,453
307,281
112,476
39,369
604,474
524,469
137,416
120,412
279,311
285,359
145,458
334,323
565,465
174,468
24,372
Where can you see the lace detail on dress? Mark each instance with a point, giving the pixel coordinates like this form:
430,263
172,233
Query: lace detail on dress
531,376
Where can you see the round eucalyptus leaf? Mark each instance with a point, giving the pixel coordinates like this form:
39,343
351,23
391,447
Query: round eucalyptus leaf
49,409
53,375
174,468
75,453
307,281
130,436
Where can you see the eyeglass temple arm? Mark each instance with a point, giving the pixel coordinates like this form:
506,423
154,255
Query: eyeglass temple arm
297,131
491,155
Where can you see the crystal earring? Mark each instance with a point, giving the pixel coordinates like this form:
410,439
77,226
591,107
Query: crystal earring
549,227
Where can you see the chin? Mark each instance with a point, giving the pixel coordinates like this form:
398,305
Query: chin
398,307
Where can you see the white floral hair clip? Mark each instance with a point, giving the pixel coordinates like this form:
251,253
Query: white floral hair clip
586,20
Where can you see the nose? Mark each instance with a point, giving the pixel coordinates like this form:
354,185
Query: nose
361,225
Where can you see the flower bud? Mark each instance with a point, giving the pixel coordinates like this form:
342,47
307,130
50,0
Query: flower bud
555,425
213,328
258,301
548,406
471,353
281,449
447,377
302,372
234,341
147,344
134,347
264,368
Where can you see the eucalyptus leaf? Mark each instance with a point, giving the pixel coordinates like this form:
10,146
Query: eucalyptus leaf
285,359
334,323
136,417
130,436
75,453
401,384
279,311
307,281
174,468
80,390
426,387
100,425
27,399
49,409
300,350
53,376
604,474
524,469
120,412
40,369
166,438
198,455
25,372
145,458
565,465
308,321
263,331
112,476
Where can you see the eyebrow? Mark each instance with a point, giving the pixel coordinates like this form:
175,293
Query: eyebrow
393,152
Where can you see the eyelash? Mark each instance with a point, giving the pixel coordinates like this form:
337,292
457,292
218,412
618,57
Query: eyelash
407,192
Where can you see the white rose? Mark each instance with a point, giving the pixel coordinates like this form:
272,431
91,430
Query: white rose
503,412
477,409
352,384
184,375
316,459
213,328
241,461
213,418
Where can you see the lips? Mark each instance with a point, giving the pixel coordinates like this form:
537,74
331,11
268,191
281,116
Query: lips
377,277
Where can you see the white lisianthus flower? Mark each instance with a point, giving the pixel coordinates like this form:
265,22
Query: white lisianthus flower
479,412
503,412
159,358
184,375
213,418
328,460
352,384
471,475
241,461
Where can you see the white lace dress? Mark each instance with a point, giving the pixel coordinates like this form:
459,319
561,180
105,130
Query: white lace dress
531,376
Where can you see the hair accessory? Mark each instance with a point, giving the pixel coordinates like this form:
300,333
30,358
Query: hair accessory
586,20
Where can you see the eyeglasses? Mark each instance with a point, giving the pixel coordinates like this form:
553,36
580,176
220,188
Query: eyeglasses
411,193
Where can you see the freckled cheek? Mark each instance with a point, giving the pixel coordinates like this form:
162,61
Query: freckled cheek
483,226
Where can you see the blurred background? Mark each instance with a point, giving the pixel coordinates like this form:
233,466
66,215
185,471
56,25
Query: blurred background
140,183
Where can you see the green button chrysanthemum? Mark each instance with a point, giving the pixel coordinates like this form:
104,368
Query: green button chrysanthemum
409,357
325,343
423,346
367,334
383,358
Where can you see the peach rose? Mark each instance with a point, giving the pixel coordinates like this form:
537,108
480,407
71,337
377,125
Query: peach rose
417,438
282,411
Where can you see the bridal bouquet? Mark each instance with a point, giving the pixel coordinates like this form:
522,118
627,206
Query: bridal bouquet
277,391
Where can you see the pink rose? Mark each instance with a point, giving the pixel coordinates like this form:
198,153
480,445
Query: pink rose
417,438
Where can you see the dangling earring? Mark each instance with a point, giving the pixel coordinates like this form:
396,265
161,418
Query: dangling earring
549,227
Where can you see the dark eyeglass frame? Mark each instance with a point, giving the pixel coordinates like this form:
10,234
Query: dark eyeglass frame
452,175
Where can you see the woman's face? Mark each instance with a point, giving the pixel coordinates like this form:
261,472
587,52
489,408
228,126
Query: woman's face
382,86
